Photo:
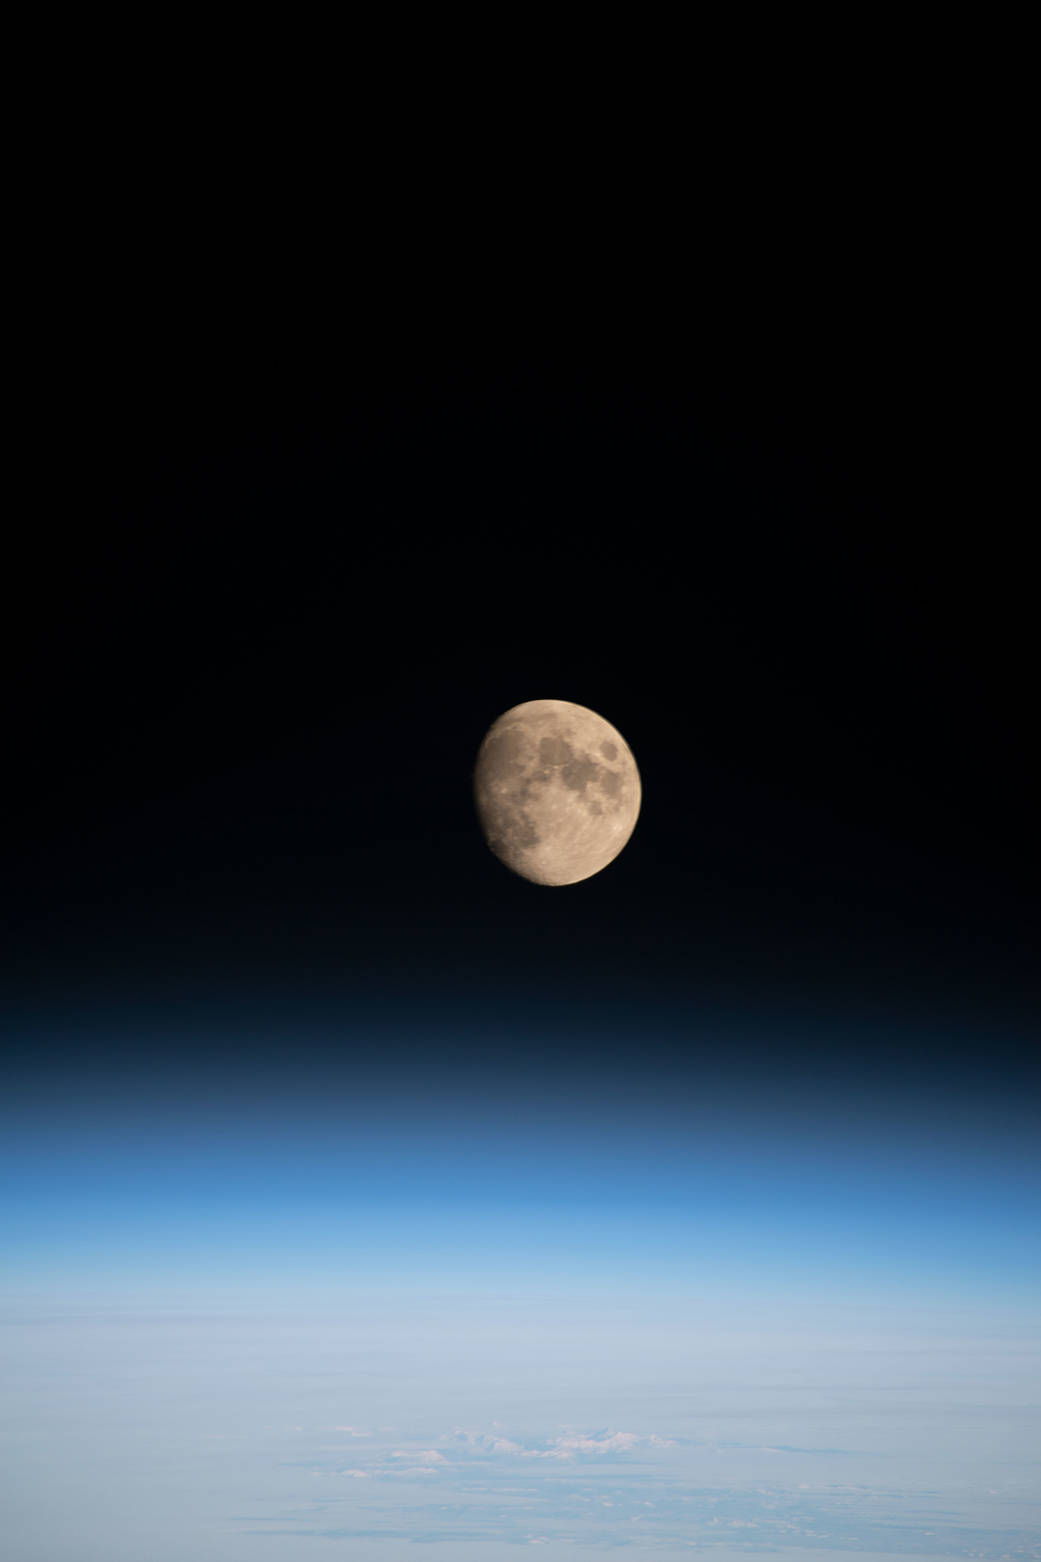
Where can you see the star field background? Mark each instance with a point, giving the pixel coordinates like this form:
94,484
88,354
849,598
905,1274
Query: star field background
276,1022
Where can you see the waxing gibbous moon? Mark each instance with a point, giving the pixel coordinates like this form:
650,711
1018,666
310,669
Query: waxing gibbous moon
557,791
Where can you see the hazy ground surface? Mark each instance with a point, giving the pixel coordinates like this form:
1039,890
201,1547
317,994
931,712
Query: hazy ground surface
369,1426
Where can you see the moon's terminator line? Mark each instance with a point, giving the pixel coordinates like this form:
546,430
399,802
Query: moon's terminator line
557,791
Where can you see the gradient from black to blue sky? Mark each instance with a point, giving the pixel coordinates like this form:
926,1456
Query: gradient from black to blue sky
274,1015
242,860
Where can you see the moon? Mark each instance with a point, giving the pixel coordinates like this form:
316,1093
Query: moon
557,791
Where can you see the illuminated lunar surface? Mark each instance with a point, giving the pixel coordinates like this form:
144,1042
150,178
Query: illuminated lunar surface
557,791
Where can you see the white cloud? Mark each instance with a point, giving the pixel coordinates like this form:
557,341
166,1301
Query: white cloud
429,1456
491,1442
569,1445
616,1442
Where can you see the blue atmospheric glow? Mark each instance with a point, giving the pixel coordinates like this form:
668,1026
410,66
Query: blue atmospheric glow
376,1180
385,1310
